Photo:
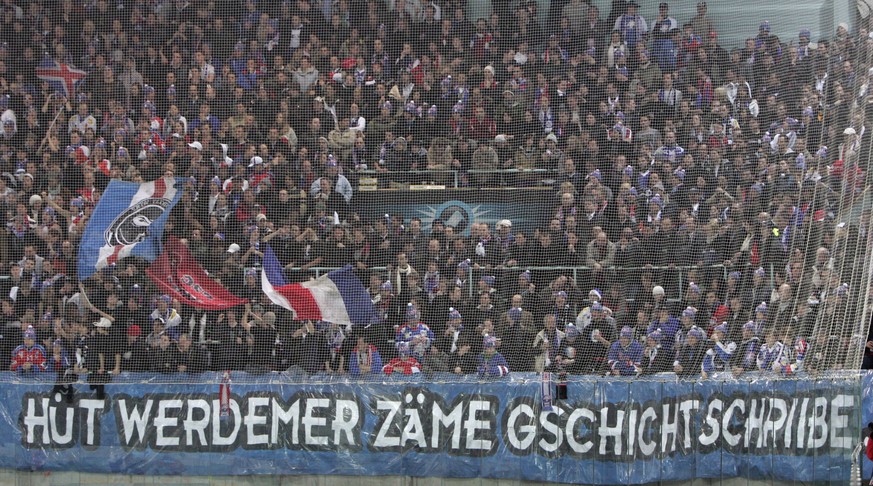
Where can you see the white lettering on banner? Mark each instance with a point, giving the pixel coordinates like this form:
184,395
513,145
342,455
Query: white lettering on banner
198,426
553,428
447,421
164,421
133,420
575,416
253,420
711,423
475,423
420,420
382,438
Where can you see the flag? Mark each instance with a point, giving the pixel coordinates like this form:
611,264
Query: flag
337,297
62,77
128,221
178,274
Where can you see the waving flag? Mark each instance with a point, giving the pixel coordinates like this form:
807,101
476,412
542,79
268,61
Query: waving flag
128,221
60,76
337,297
178,274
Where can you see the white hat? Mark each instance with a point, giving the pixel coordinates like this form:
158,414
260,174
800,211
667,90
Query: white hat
489,68
552,137
504,222
256,160
500,138
196,146
338,77
261,216
849,131
36,198
103,322
657,290
233,248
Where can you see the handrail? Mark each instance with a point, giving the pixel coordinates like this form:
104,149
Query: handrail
455,172
682,269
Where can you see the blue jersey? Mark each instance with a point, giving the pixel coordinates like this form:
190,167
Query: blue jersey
625,360
493,366
771,357
718,357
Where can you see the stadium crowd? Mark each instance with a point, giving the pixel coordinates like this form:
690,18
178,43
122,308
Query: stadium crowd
696,186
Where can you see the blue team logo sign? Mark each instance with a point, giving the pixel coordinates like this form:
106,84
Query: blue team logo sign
457,214
132,225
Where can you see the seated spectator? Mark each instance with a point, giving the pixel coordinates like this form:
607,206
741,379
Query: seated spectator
135,354
365,360
404,364
191,358
690,355
719,354
746,357
772,353
29,357
656,359
625,355
492,364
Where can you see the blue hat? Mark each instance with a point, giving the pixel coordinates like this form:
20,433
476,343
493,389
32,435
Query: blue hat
596,307
514,313
627,332
693,287
804,33
458,108
689,312
489,342
762,308
760,272
596,293
166,298
464,265
679,173
800,161
171,90
525,275
628,171
765,26
411,312
432,111
386,286
749,325
403,348
632,191
571,331
148,89
722,328
656,199
808,111
561,294
696,332
735,275
488,279
842,290
454,314
411,108
596,175
656,335
822,152
30,333
386,105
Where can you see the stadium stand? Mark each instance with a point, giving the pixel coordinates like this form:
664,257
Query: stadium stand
705,206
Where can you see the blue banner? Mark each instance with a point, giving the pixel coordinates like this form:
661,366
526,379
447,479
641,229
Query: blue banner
526,208
127,221
607,432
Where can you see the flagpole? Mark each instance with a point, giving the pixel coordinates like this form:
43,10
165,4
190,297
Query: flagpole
49,131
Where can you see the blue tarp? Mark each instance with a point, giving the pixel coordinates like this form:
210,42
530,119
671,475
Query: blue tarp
607,431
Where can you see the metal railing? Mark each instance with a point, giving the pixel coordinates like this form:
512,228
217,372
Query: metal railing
434,175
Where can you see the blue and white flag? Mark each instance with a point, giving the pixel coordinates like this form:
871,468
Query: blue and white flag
128,221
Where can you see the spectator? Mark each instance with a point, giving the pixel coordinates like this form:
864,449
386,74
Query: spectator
720,353
365,360
690,355
30,357
404,364
492,364
625,355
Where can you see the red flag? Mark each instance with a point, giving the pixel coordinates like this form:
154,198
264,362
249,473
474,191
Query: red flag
177,273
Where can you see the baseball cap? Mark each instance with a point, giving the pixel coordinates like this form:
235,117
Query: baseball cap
256,160
233,248
134,331
196,146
